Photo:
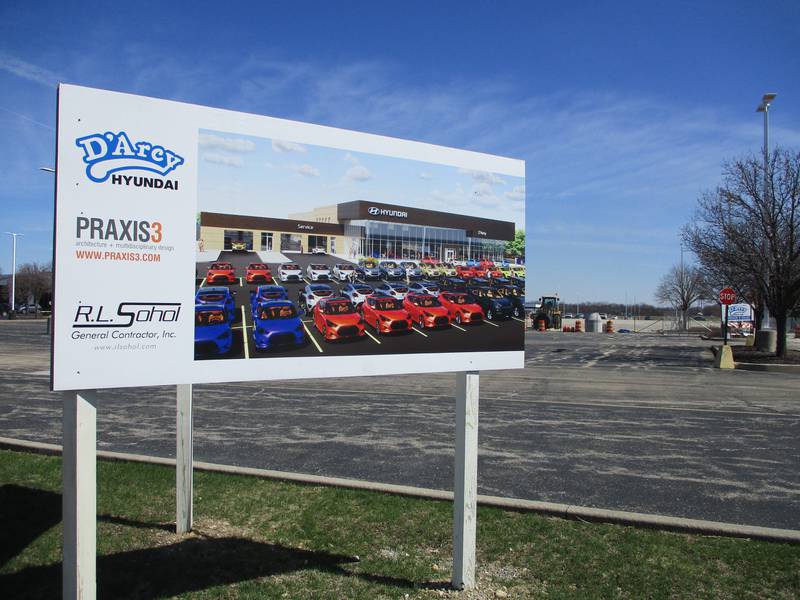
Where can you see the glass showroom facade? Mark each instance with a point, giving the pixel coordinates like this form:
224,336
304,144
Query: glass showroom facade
380,239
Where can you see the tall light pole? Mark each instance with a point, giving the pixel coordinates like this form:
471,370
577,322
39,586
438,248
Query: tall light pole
766,100
13,267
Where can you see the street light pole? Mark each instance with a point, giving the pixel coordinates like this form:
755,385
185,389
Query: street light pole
13,268
766,100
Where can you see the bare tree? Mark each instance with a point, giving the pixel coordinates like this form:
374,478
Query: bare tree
747,231
681,287
33,281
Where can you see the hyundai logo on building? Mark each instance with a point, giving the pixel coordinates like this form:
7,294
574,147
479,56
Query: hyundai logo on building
387,212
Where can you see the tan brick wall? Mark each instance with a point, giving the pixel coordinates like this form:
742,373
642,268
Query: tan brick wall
213,238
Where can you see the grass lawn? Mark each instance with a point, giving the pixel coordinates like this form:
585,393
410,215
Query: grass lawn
256,538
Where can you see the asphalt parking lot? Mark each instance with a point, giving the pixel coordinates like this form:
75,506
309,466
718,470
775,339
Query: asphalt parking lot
487,336
630,422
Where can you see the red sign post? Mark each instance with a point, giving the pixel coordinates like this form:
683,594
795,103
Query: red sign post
726,297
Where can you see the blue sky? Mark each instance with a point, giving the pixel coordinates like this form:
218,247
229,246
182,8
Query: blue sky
623,111
249,175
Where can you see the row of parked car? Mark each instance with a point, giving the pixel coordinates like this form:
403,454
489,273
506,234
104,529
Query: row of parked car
390,307
224,272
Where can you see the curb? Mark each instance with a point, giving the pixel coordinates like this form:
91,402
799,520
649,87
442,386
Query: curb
775,368
768,367
564,511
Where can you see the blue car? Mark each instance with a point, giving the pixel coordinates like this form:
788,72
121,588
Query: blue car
212,330
265,293
390,270
217,295
277,325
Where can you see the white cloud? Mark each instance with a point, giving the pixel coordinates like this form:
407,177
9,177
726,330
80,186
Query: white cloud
517,194
425,175
351,159
285,146
483,176
28,71
305,170
482,190
357,173
228,144
222,159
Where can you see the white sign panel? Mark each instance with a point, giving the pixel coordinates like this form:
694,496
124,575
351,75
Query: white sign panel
203,245
740,312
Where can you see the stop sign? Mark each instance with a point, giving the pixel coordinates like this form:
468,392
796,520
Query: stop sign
727,296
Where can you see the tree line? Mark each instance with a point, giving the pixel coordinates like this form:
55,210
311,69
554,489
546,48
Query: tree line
745,235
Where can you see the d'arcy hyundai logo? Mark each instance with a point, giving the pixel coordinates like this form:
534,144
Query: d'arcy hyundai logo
110,152
386,212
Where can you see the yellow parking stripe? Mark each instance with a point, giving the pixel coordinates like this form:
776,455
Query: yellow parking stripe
457,327
419,332
488,322
202,283
240,282
308,331
244,335
374,339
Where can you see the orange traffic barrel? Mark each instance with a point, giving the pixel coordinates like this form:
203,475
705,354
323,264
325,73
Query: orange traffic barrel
610,327
578,326
541,324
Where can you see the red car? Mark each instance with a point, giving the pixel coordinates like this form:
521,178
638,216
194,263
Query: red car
258,273
220,272
464,272
336,318
460,308
385,314
492,272
486,264
479,271
426,310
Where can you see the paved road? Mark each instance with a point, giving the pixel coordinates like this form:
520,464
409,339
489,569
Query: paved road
626,422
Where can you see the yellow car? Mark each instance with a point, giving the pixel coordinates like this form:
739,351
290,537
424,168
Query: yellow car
506,270
447,269
518,270
429,270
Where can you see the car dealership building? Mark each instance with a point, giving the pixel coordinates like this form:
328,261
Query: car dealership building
361,228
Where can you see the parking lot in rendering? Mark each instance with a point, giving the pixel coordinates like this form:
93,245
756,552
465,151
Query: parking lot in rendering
486,336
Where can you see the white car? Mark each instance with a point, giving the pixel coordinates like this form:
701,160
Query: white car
395,290
311,294
317,250
290,272
318,272
343,271
357,292
424,287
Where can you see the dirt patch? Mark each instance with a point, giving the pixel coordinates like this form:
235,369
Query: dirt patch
752,355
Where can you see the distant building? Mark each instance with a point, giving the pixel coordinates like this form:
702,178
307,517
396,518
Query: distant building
362,228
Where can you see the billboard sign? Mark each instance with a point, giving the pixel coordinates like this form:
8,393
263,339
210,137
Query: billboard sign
740,312
197,245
